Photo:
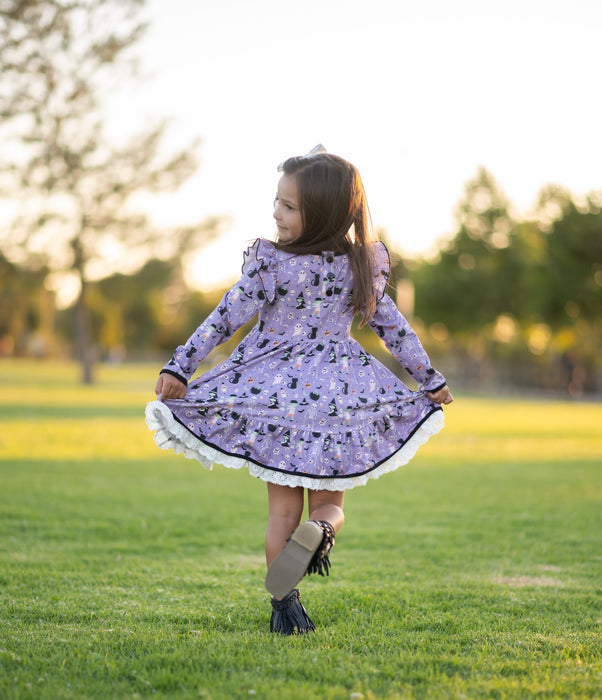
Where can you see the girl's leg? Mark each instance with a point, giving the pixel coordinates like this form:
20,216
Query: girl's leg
327,505
307,550
309,545
285,509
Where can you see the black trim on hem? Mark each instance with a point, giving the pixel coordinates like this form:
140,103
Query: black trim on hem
176,375
305,475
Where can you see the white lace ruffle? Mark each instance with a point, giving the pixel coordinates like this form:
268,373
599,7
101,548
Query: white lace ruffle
169,434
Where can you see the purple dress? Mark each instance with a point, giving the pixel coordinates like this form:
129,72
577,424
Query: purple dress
299,401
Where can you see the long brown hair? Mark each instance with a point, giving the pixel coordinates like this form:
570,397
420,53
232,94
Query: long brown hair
335,216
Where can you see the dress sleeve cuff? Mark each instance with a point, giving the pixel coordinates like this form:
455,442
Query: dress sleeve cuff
176,375
436,389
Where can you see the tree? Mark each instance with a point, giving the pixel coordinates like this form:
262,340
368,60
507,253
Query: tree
58,60
478,275
572,260
526,295
150,311
25,304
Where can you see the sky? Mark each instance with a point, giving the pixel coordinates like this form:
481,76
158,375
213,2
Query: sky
417,95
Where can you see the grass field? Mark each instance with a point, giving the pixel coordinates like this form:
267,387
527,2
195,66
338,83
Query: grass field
127,572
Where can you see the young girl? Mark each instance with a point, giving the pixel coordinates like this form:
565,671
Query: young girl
299,402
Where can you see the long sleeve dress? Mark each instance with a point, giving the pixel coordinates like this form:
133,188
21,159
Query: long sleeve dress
300,402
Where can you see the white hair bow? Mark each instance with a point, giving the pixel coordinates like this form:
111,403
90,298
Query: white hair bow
314,151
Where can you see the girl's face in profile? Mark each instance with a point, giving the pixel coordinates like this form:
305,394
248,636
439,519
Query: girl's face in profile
286,210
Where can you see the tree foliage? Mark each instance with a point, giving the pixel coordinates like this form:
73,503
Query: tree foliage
471,281
510,287
572,257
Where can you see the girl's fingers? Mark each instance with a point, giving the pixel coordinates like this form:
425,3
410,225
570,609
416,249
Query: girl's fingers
170,388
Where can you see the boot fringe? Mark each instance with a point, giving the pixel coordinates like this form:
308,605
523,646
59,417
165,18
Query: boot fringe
289,617
320,563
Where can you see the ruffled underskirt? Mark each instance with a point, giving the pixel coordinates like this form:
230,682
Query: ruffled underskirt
170,434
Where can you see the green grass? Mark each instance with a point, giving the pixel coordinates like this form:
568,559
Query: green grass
127,572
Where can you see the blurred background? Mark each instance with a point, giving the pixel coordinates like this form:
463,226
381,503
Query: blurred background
140,141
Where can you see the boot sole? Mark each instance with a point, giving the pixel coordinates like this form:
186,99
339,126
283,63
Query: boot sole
289,567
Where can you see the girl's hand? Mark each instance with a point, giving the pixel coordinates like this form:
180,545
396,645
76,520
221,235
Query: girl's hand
169,387
444,395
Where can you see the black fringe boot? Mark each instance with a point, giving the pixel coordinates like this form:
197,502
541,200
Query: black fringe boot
306,552
289,616
320,563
